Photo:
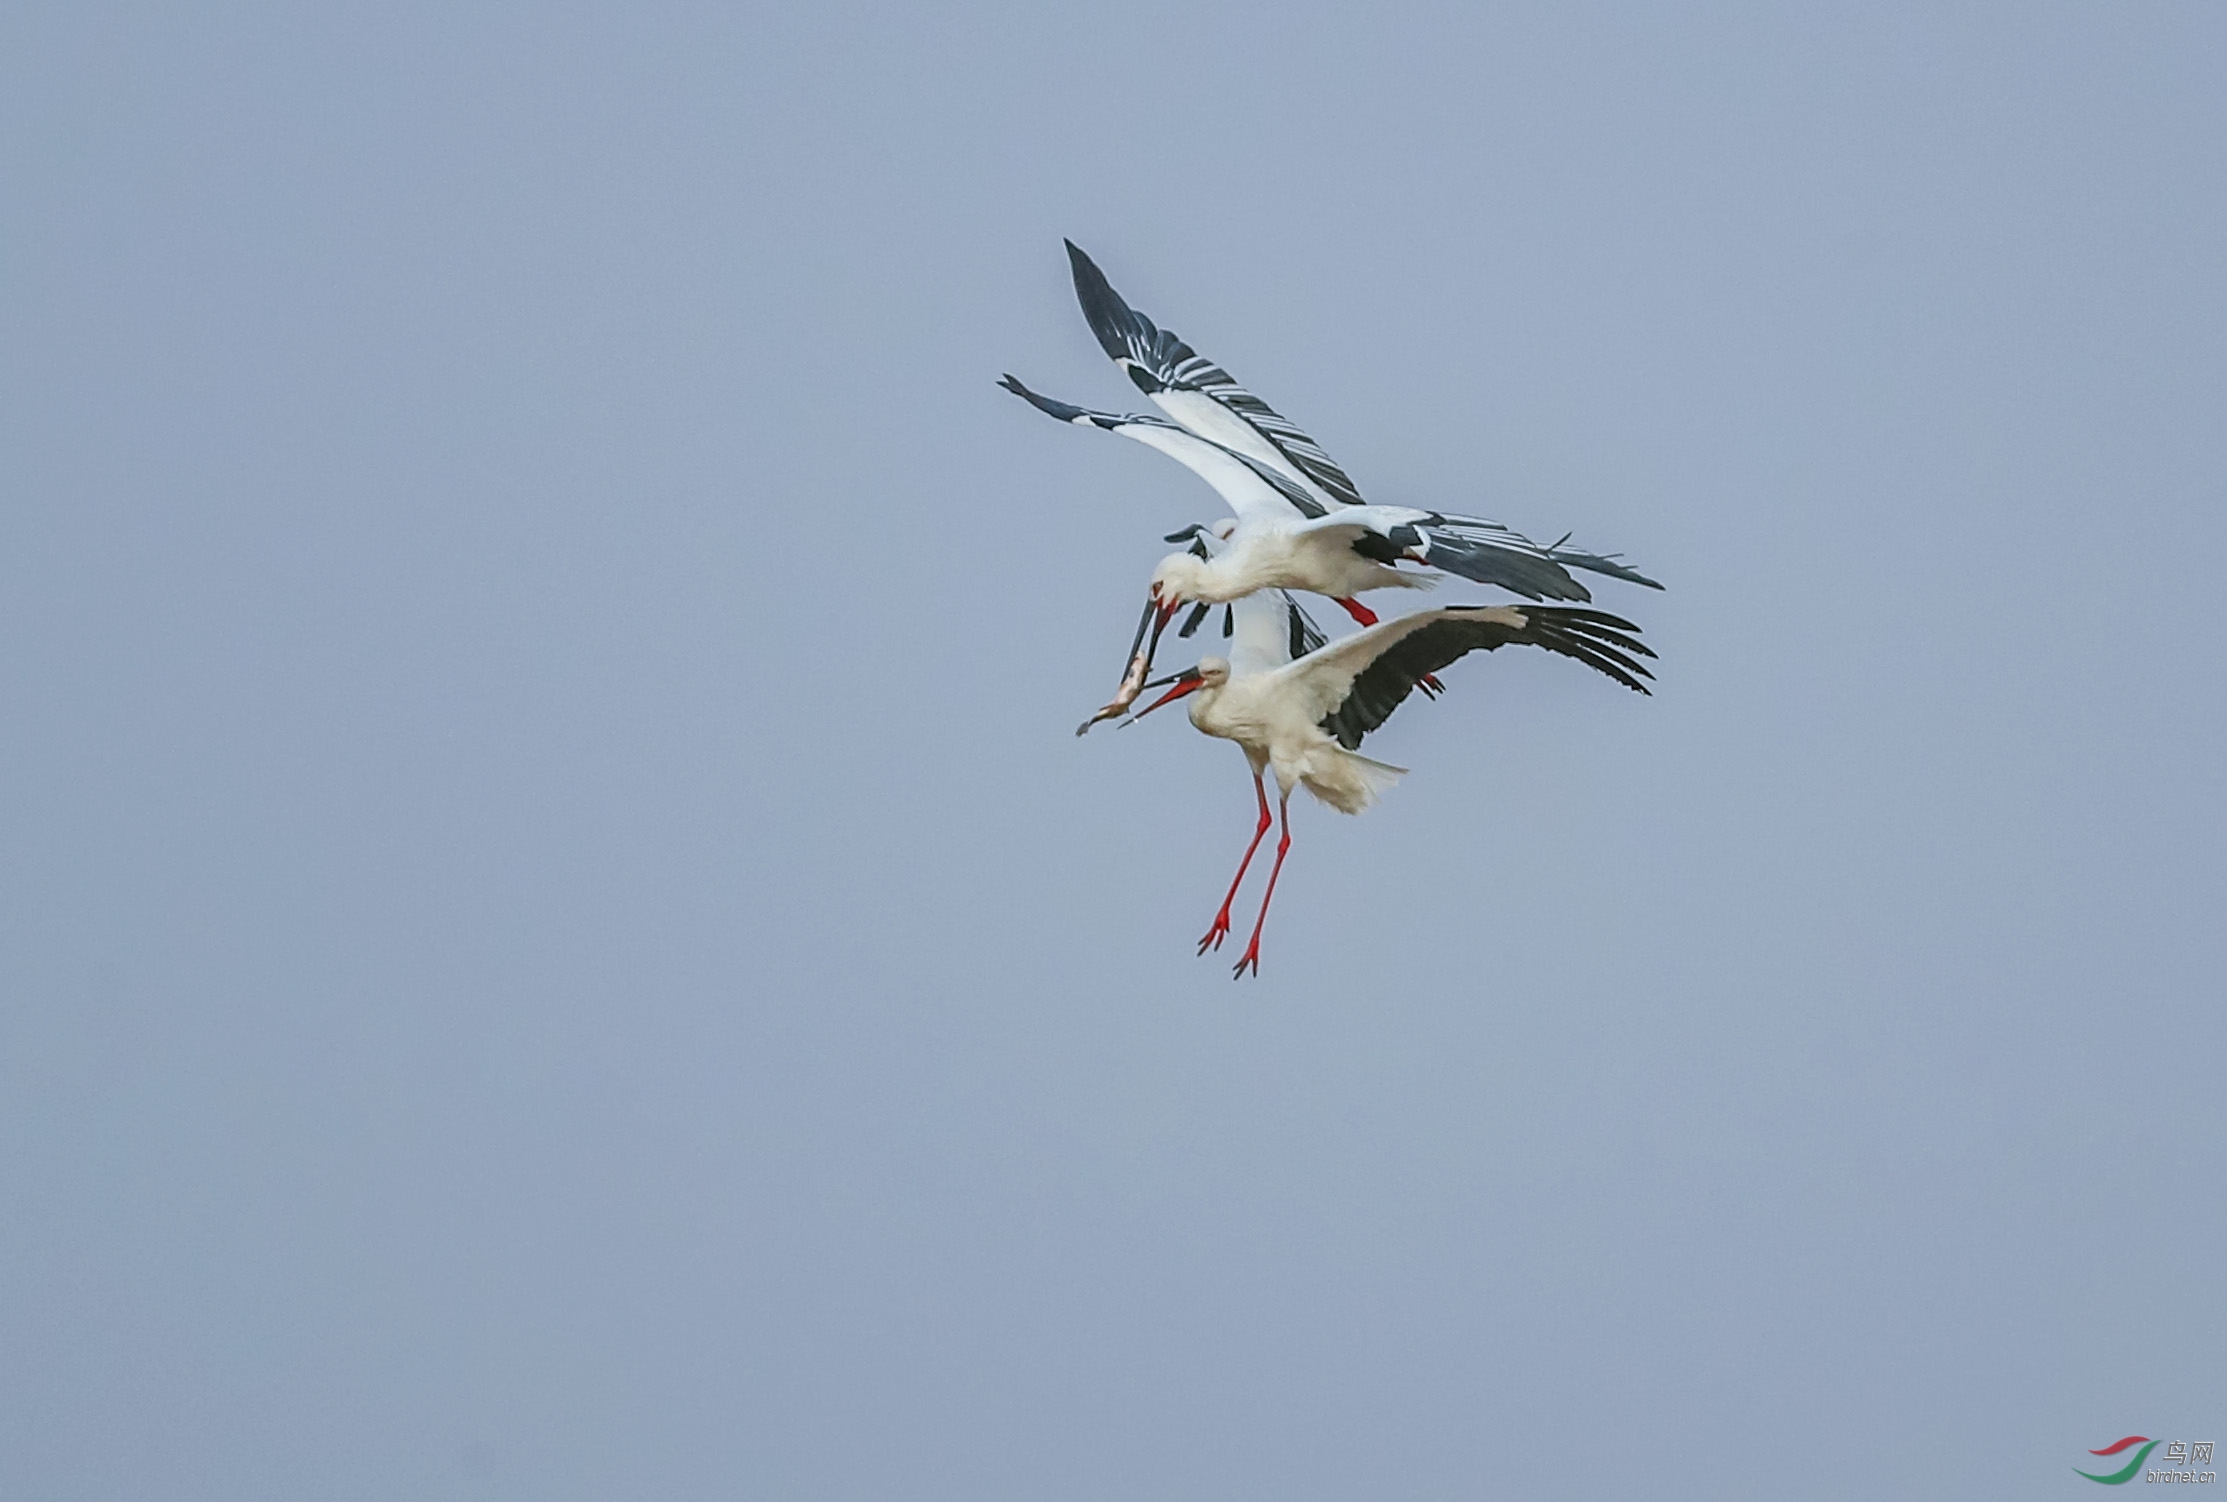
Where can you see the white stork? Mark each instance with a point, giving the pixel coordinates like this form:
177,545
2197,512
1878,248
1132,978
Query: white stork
1305,718
1283,538
1206,402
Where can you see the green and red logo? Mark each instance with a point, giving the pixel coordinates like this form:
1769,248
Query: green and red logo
2123,1476
2185,1460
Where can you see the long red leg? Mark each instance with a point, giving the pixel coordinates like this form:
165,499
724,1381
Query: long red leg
1220,930
1283,844
1359,611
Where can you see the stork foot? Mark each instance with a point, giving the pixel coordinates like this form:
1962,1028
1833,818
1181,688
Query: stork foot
1219,932
1250,959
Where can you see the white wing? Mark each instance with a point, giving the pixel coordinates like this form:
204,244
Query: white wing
1202,396
1204,399
1249,488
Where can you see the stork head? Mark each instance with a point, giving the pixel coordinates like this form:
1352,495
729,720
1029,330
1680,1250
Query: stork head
1177,581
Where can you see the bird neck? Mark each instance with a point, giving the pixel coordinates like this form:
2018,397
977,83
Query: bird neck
1205,705
1223,579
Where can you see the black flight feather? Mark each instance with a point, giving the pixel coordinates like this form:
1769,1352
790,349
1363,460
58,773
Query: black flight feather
1602,642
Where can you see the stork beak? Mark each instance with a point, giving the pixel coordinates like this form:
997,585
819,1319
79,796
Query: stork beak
1161,611
1186,682
1164,612
1157,614
1142,621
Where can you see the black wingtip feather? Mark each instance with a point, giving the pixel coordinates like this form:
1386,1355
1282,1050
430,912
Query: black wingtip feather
1108,316
1599,640
1526,574
1601,563
1064,411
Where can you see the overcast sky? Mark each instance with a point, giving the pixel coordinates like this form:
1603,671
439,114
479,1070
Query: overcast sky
557,942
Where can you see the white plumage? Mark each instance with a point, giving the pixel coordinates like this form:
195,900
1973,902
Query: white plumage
1294,706
1304,719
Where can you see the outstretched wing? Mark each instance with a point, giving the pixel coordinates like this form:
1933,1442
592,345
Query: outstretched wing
1483,551
1206,400
1250,488
1353,686
1201,395
1515,565
1611,564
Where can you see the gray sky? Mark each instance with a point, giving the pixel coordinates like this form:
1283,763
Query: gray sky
557,941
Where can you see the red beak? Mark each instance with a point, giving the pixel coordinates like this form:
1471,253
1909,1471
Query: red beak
1185,683
1159,612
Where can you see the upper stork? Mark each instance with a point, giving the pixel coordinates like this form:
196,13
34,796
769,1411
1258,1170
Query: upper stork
1205,402
1282,537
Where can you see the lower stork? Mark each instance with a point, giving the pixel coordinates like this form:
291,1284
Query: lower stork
1305,719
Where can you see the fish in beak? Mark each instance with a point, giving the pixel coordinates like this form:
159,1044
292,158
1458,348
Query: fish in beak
1157,614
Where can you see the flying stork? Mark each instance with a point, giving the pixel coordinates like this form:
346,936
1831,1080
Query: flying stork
1206,402
1306,718
1284,538
1281,538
